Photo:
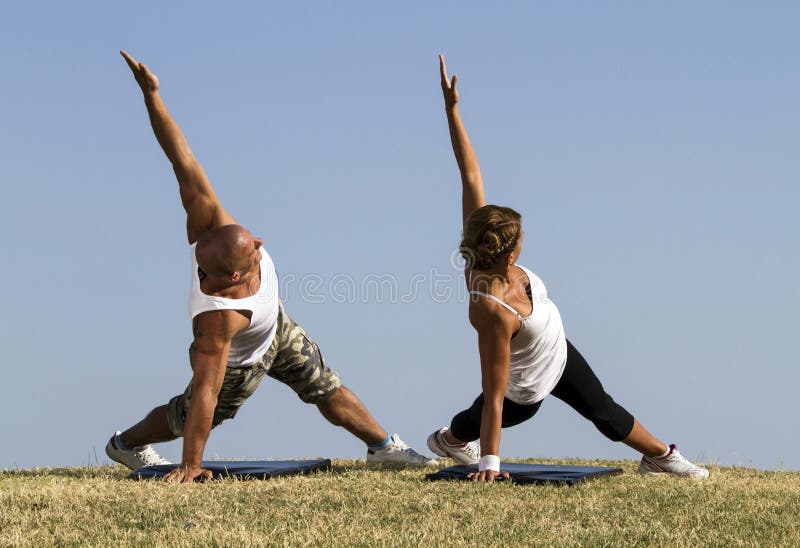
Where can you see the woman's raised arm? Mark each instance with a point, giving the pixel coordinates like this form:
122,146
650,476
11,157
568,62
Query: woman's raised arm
472,194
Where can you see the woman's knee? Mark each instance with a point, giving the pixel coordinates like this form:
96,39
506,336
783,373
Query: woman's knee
465,427
612,420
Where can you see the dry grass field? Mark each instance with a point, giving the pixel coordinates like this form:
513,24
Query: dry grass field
352,505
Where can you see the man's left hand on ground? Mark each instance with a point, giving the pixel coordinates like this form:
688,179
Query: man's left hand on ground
187,474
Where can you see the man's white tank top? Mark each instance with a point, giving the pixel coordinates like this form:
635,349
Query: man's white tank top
538,349
249,345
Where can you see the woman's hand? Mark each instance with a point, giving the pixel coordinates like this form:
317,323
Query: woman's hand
488,476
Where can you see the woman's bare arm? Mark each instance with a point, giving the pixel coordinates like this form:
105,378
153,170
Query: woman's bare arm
472,193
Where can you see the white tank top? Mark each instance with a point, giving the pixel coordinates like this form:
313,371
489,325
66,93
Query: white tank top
249,345
538,349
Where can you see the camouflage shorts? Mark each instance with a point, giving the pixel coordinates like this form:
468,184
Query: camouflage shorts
293,359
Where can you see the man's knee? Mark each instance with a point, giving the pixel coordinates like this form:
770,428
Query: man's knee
323,396
176,415
178,407
310,378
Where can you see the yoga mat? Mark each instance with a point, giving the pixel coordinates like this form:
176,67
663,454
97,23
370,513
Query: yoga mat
242,469
531,473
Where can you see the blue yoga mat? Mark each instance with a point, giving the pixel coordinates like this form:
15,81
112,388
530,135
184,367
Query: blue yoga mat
242,469
532,473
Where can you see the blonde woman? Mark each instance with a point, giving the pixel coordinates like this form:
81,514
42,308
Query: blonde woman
524,353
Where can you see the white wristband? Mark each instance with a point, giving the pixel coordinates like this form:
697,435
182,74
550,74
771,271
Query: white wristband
489,462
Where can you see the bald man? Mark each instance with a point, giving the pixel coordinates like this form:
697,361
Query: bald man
241,331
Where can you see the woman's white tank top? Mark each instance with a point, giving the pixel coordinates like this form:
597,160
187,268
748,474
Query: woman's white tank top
538,349
249,345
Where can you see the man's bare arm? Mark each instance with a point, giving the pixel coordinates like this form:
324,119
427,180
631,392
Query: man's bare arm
472,192
208,354
202,206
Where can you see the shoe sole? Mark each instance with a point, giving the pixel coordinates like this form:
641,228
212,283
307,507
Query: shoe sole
648,472
399,465
690,476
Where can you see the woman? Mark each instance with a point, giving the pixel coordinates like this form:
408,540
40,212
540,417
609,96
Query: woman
524,353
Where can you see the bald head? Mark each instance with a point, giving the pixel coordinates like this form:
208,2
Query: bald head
226,250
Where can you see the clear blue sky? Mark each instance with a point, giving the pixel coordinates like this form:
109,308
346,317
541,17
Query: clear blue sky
651,147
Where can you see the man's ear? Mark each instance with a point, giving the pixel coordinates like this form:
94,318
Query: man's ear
235,277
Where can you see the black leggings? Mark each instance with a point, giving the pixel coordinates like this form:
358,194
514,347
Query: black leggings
578,387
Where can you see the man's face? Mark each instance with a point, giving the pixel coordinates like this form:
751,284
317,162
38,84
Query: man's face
254,251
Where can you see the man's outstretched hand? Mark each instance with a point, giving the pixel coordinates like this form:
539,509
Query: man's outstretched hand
448,86
146,79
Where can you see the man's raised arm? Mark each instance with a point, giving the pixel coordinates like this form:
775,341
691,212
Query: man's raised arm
202,206
472,194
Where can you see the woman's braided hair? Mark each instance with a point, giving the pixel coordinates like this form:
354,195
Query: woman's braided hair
489,233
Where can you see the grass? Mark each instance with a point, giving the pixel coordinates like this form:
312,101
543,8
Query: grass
352,505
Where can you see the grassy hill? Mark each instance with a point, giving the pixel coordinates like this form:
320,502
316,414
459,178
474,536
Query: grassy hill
352,505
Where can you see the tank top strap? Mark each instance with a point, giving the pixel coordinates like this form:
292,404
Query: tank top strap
499,301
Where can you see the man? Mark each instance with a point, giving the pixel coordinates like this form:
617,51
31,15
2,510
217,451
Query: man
241,331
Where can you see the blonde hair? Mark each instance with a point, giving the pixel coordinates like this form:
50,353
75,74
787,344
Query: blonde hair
489,233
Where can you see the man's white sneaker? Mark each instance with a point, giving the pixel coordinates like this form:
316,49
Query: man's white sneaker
465,453
398,453
134,458
672,463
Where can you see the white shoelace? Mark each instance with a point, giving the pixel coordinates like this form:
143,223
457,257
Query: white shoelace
149,456
677,457
402,447
411,452
474,450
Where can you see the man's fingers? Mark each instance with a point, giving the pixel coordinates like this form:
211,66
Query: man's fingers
191,477
132,63
443,70
453,83
202,476
175,476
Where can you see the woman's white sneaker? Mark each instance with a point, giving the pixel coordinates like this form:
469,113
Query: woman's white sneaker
672,463
465,453
397,452
134,458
